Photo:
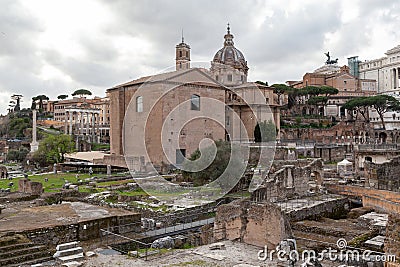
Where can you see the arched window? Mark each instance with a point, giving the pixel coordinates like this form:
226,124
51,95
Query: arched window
139,104
195,102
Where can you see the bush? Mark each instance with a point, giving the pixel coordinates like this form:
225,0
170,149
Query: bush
217,167
17,155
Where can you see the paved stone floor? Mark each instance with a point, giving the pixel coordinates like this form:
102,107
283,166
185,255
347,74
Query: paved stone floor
234,255
24,215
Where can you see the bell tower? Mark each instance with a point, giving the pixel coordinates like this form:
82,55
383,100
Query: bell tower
182,59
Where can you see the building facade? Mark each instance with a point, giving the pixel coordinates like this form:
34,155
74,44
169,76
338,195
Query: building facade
162,119
337,77
384,70
87,119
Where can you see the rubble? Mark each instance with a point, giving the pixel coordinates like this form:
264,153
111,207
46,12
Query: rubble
218,245
373,219
165,242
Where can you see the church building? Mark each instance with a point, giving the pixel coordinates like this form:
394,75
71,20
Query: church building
159,120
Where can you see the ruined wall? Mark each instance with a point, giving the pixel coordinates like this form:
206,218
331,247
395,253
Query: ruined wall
289,181
384,176
332,209
84,230
331,153
27,186
383,200
392,240
343,132
325,136
251,223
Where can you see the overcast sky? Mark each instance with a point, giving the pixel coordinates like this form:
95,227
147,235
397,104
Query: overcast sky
55,47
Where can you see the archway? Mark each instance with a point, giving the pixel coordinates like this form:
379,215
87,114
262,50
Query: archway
382,137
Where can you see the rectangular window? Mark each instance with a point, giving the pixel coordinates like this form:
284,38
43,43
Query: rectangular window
229,77
195,102
139,104
180,155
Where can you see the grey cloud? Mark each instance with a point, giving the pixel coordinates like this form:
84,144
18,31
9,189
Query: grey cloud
293,46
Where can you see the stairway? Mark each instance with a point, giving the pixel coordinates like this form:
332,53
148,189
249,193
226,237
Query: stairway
68,253
16,250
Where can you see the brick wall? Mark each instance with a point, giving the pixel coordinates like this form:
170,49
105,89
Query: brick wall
384,200
256,224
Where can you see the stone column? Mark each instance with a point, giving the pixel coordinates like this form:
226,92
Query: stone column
34,126
87,124
397,78
66,122
82,125
34,144
70,122
98,127
76,123
94,125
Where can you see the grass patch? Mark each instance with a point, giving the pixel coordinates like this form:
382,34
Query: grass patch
359,240
56,181
53,184
100,147
4,184
111,183
244,194
137,192
187,246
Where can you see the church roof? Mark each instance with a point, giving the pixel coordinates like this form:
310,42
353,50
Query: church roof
196,76
230,55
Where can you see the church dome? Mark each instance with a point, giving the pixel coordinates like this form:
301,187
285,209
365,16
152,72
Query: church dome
230,55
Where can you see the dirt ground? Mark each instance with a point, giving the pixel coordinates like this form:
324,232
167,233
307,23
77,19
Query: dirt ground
235,254
25,215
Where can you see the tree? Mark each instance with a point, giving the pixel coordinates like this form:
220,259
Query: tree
292,95
62,97
328,91
382,104
318,95
17,154
262,83
218,166
317,101
40,98
17,103
81,92
265,132
280,89
17,126
53,148
359,105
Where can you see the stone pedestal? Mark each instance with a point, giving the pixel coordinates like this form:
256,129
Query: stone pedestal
108,169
